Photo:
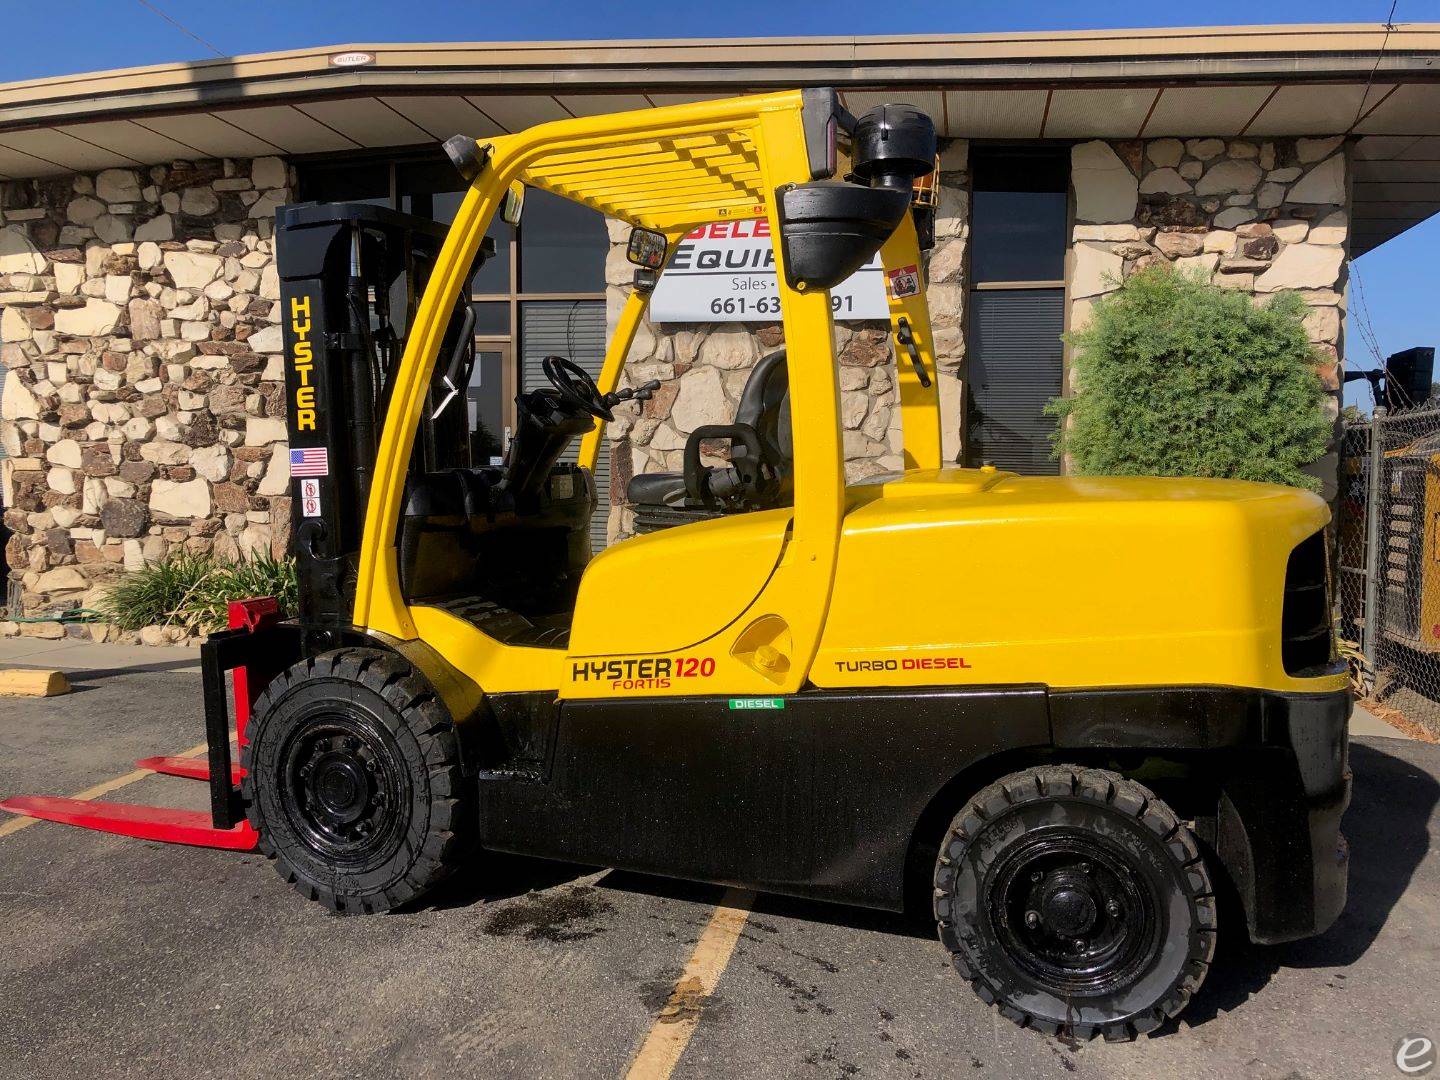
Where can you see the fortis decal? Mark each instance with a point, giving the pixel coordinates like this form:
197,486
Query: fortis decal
304,363
648,673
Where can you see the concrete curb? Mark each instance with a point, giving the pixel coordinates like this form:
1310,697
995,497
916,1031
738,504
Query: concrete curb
19,682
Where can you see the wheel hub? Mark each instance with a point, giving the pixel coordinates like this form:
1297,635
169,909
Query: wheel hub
1068,910
1072,913
341,788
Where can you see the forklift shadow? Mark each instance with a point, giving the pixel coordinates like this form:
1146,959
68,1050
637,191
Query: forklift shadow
1388,826
79,679
498,876
773,904
84,681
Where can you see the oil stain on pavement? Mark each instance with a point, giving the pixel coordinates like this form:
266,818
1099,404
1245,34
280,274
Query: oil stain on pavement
560,915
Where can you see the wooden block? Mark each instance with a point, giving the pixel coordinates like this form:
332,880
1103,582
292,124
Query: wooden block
29,683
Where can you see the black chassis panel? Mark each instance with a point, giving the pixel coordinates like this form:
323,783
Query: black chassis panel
821,799
818,799
1279,764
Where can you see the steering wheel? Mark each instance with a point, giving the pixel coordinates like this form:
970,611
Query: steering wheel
576,386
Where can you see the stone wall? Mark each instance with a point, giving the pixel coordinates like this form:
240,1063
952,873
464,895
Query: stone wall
144,409
702,367
143,397
1259,216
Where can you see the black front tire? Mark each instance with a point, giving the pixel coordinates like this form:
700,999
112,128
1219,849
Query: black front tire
353,781
1076,902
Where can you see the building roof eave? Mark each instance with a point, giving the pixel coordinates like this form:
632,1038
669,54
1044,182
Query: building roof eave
1381,87
1293,53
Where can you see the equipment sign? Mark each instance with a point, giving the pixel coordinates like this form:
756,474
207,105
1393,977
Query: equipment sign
725,272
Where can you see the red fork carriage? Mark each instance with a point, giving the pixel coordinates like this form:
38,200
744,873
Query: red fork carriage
251,645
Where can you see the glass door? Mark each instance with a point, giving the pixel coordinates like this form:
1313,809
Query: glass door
1015,360
490,400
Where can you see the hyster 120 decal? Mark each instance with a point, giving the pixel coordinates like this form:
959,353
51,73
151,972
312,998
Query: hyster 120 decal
642,673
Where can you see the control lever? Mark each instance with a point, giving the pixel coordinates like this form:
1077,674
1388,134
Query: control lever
457,357
906,337
644,392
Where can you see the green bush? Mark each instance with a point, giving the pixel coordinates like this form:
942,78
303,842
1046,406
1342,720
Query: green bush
1178,377
194,591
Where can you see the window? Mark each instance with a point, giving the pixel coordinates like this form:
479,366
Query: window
492,318
542,292
1018,217
558,251
564,246
360,182
1018,237
489,382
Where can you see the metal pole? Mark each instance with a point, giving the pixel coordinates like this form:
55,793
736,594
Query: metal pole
1370,630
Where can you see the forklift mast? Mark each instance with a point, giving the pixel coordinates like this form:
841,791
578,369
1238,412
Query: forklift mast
350,276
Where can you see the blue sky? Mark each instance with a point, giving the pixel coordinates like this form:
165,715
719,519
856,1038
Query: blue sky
1401,281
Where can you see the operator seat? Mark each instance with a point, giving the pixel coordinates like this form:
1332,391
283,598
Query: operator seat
660,498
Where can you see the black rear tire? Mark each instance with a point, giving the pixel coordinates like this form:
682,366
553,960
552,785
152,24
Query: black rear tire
353,781
1076,902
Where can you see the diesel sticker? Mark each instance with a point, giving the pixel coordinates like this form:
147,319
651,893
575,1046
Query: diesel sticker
757,703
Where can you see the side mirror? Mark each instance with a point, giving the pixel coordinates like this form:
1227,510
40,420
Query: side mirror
513,205
646,248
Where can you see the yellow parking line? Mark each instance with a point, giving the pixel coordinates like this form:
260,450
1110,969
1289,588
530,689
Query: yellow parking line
672,1029
15,824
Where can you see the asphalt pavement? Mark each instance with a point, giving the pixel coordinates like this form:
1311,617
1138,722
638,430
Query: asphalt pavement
122,958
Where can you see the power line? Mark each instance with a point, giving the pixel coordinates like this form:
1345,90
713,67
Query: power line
1361,318
1379,55
181,27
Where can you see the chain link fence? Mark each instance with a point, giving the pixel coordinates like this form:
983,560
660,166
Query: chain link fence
1388,561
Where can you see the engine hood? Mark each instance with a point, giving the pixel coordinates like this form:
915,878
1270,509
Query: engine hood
985,492
1066,581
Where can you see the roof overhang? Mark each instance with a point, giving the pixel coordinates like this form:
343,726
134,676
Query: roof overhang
1359,80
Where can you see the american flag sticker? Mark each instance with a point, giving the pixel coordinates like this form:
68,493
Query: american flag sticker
310,461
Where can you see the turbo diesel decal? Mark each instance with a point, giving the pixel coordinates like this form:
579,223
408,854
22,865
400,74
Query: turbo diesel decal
303,361
908,663
642,673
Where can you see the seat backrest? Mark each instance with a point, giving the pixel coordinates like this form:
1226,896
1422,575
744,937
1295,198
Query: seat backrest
765,406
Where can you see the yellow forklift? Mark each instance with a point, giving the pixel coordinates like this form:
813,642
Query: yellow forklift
1072,710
